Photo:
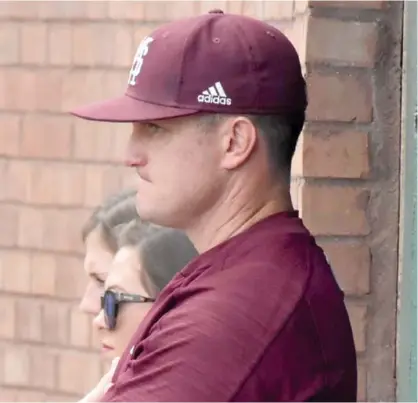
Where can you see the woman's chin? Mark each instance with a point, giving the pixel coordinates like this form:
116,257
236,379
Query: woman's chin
109,352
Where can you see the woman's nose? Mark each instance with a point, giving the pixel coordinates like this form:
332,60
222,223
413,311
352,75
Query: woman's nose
99,321
90,303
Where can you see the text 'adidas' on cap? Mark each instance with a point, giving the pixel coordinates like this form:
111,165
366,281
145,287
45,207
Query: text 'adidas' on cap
222,63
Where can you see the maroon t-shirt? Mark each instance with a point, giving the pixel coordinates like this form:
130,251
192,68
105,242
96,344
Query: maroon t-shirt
259,317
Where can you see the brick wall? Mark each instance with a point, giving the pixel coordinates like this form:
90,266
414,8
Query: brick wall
54,169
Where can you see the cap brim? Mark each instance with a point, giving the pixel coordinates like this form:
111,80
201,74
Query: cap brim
126,109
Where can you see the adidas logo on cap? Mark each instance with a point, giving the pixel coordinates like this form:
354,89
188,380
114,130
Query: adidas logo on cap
214,95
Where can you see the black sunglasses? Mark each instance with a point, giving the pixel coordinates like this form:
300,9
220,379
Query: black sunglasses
111,300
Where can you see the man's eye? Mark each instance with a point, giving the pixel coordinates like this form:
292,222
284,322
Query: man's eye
152,127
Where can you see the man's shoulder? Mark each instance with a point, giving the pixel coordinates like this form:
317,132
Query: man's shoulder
253,289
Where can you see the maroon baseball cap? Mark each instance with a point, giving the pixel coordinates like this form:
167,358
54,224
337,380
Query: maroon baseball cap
219,63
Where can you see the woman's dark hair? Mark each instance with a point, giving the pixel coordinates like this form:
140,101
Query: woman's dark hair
162,251
110,216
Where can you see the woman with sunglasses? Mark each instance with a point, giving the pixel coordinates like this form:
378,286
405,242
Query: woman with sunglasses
147,257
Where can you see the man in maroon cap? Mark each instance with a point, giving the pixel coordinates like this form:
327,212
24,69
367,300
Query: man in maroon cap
217,103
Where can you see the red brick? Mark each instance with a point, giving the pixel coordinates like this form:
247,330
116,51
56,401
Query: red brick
9,134
9,43
17,180
97,141
205,6
9,219
81,86
42,368
296,33
29,319
17,81
120,143
66,9
58,184
333,154
7,313
361,382
62,229
80,325
127,10
351,265
49,85
122,43
31,227
97,9
249,8
156,11
335,210
55,230
15,271
277,10
30,396
95,339
69,379
21,10
2,348
7,395
114,84
175,10
100,181
71,280
89,49
4,100
55,322
339,97
102,45
43,274
33,43
354,4
16,365
94,183
60,43
301,6
130,179
3,179
33,90
325,36
46,136
358,320
61,397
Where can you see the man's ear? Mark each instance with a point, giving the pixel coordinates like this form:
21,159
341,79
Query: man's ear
239,140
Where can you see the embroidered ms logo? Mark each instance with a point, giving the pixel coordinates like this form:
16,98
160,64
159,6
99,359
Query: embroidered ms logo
139,59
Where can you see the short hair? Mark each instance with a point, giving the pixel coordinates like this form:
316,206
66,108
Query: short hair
280,133
162,251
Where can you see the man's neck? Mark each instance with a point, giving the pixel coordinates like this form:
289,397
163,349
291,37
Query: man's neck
230,217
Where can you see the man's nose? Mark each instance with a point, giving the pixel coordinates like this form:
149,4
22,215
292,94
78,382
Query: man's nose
135,153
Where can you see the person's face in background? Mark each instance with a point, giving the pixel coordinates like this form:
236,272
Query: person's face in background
124,277
97,260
